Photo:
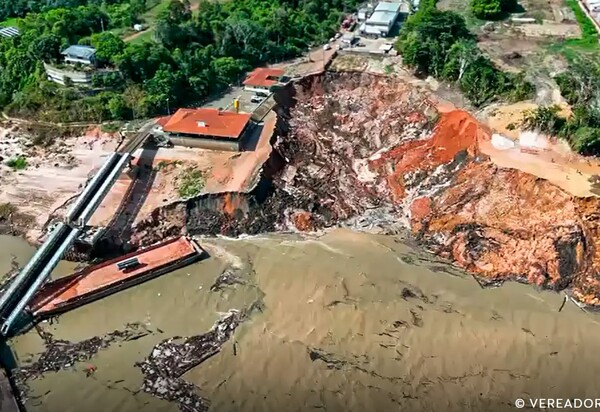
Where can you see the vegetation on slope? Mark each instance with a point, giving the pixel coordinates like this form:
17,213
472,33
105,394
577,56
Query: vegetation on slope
492,9
580,85
438,43
196,54
589,34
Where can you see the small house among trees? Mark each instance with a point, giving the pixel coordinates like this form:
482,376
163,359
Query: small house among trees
80,54
80,67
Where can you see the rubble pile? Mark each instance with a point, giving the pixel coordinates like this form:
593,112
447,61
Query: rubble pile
169,360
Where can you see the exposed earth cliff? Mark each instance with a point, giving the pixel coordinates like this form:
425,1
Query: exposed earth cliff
372,151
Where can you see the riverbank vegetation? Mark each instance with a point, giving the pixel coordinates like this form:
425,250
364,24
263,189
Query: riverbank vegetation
194,56
438,43
17,163
191,183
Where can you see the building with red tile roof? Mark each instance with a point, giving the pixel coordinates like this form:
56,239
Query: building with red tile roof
262,78
162,121
197,127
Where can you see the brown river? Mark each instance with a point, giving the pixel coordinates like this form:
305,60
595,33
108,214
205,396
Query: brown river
350,322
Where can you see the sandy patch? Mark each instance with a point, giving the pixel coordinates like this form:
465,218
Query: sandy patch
53,174
159,170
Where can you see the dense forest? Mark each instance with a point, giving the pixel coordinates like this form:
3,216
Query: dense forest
20,8
194,54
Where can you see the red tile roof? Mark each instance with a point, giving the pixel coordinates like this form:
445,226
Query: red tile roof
263,76
207,122
163,120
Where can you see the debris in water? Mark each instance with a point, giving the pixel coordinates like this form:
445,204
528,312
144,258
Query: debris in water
227,278
62,354
169,360
416,319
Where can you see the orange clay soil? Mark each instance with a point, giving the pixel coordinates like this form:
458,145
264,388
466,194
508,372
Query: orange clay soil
498,223
456,131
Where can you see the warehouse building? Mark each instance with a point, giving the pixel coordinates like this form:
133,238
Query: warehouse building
383,18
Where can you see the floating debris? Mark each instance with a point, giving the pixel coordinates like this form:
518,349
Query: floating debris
227,278
170,359
62,354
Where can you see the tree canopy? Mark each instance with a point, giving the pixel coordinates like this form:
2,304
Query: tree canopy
194,53
438,43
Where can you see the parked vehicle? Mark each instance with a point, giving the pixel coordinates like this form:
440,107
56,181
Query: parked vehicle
327,46
256,99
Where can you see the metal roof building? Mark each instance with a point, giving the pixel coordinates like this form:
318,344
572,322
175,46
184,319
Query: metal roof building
79,54
384,16
9,32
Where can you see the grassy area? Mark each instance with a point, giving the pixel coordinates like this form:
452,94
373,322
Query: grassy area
191,183
155,7
17,163
588,42
12,22
142,37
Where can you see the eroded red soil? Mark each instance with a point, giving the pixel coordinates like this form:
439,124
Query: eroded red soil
372,151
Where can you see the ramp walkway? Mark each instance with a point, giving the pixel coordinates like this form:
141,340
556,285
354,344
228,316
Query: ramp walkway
37,271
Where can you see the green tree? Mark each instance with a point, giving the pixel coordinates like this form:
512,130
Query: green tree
117,107
135,98
109,47
45,47
166,84
586,140
426,45
486,9
178,11
227,69
460,56
482,82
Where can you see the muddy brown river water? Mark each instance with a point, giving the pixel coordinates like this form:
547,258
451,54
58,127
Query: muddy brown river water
350,322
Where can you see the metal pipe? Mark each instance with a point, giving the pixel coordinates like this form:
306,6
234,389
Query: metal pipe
43,275
99,195
89,188
39,255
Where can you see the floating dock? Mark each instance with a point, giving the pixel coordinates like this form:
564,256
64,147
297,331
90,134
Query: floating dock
106,278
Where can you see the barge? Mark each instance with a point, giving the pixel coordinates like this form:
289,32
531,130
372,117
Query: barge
97,281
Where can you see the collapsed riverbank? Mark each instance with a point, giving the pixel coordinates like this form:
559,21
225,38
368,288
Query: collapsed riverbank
376,153
369,151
